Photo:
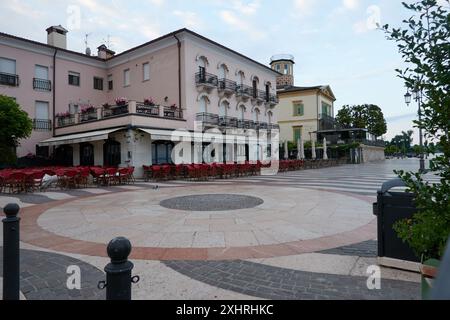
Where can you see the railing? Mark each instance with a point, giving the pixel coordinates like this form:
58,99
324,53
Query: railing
326,122
41,124
151,110
9,79
263,125
244,90
262,95
173,113
203,78
42,84
227,85
272,126
273,99
65,121
115,111
207,118
230,122
88,116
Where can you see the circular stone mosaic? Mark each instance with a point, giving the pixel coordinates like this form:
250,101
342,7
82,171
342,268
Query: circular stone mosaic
212,202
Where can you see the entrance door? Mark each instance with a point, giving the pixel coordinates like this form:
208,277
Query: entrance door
111,153
86,154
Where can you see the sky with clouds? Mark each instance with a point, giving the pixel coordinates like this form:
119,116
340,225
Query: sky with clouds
334,41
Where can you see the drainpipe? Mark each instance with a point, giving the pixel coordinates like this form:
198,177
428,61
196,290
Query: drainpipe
54,91
179,71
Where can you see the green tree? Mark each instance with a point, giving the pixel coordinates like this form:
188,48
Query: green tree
424,44
366,116
14,126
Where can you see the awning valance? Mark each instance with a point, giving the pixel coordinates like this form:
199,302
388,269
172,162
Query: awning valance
78,138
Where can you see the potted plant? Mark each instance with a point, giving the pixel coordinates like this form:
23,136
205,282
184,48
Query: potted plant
121,101
149,102
173,106
87,109
106,106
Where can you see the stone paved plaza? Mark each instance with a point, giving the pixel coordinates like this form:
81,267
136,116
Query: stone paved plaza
298,235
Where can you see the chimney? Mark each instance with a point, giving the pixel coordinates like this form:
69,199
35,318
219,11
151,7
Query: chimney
56,36
104,52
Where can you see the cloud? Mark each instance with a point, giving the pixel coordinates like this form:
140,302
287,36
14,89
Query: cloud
158,3
231,19
190,19
360,27
304,7
350,4
249,8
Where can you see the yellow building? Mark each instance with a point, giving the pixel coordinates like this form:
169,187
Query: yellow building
301,111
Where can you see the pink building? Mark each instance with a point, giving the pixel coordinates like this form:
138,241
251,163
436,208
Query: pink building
179,81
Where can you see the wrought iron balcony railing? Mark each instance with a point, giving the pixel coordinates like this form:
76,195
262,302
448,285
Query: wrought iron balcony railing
150,110
273,99
263,125
42,84
227,85
229,122
272,126
174,113
9,79
327,122
88,116
244,90
65,121
115,111
208,118
42,124
208,79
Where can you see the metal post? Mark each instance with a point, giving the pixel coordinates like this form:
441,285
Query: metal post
11,253
118,271
422,160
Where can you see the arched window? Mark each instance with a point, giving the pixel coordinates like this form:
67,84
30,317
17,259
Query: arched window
222,71
202,104
202,62
242,112
268,85
256,115
241,76
86,154
255,86
223,109
111,153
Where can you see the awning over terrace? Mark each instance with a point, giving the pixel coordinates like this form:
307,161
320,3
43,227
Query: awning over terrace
78,138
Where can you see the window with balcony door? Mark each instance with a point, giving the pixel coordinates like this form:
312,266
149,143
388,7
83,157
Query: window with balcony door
41,120
223,109
297,133
146,71
242,112
8,72
298,109
269,117
256,115
326,109
98,83
40,81
255,87
74,78
126,77
202,105
110,82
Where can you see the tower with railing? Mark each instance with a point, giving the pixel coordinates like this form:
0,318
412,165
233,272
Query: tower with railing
284,64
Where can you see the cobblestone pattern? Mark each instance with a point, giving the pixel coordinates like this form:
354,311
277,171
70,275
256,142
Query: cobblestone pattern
212,202
43,276
270,282
366,249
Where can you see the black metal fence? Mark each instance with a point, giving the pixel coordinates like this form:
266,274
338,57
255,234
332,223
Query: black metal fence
9,79
42,125
42,84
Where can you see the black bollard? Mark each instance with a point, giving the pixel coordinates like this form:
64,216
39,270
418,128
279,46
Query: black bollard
118,271
11,253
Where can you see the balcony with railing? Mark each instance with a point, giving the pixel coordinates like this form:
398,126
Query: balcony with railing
207,80
244,91
227,86
273,126
229,122
326,122
42,124
148,110
8,79
273,99
132,113
42,84
207,119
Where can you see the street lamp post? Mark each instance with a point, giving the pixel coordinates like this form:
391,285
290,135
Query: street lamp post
417,95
